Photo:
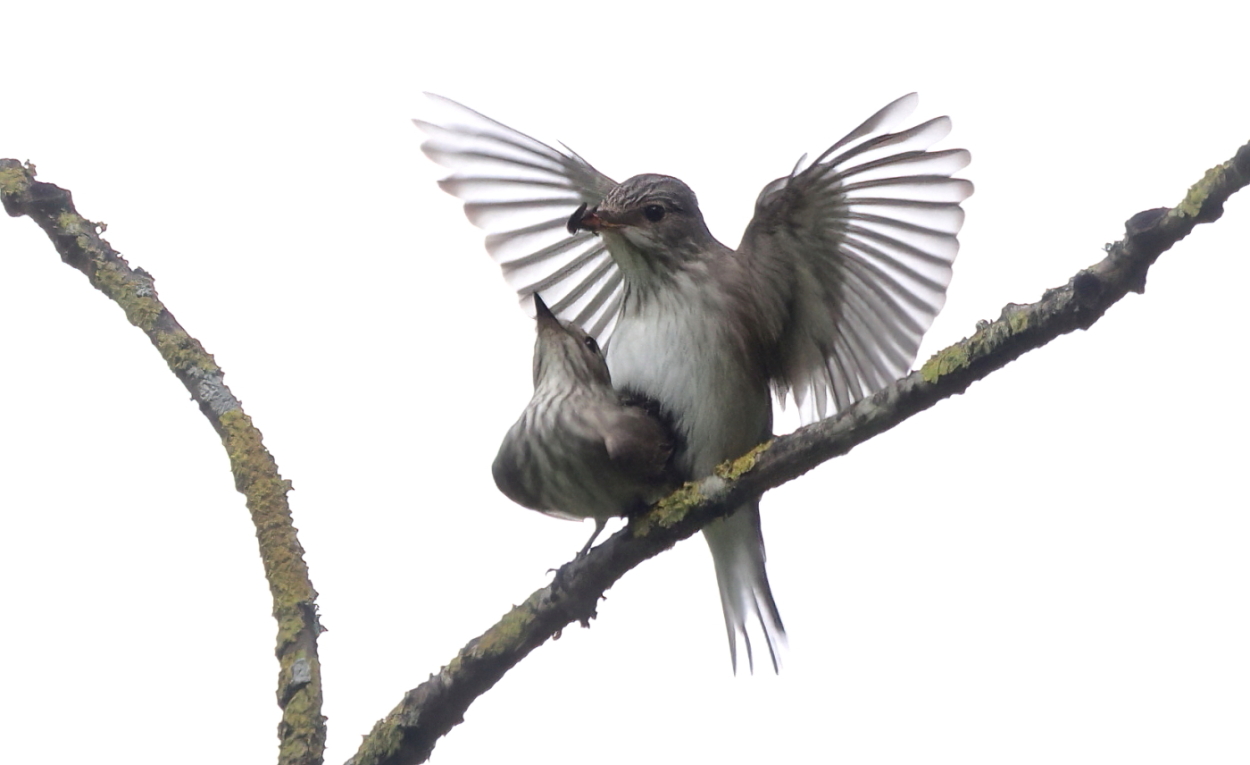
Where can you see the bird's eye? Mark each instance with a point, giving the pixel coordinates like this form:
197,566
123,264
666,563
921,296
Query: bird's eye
654,213
591,344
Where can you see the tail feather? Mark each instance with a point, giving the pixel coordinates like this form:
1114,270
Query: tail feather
737,546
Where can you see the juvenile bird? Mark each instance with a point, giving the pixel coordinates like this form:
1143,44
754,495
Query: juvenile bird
839,273
581,449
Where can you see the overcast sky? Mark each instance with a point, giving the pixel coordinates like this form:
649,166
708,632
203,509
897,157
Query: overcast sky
1049,568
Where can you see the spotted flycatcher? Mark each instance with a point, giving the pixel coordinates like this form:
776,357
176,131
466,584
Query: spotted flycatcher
839,273
581,449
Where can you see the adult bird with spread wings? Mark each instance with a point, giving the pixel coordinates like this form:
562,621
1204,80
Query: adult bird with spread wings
840,272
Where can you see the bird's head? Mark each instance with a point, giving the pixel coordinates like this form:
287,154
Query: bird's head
564,355
650,223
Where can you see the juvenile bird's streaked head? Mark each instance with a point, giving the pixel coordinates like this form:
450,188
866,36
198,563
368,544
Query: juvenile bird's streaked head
564,355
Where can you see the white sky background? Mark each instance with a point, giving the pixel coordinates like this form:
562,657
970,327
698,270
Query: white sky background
1050,568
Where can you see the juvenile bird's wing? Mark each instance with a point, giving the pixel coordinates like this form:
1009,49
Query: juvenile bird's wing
521,192
851,256
639,445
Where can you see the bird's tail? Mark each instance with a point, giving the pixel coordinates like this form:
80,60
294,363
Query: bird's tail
737,545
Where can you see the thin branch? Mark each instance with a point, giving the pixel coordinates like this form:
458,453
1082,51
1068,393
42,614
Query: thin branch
408,734
302,732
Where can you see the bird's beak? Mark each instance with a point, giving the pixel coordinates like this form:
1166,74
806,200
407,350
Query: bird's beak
589,220
542,312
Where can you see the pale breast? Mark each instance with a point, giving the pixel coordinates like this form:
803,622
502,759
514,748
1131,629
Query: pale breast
678,348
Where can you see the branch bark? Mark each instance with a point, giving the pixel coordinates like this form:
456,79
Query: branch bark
408,734
302,732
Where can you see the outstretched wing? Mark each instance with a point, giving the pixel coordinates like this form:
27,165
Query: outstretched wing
855,251
521,192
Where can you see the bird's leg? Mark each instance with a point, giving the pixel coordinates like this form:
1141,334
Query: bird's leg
599,524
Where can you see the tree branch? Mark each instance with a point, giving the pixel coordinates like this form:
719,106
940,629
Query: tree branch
408,734
302,732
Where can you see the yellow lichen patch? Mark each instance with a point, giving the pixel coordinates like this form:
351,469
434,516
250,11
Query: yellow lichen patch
382,742
670,510
988,338
13,181
113,280
289,624
1018,321
181,351
506,635
248,457
302,741
944,362
732,470
256,476
1191,205
70,222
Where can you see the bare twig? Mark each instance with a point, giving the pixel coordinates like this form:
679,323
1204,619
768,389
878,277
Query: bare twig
408,734
302,731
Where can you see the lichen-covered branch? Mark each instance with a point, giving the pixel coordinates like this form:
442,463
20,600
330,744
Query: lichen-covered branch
302,731
408,734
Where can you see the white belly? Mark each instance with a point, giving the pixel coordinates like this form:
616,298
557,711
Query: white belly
669,350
